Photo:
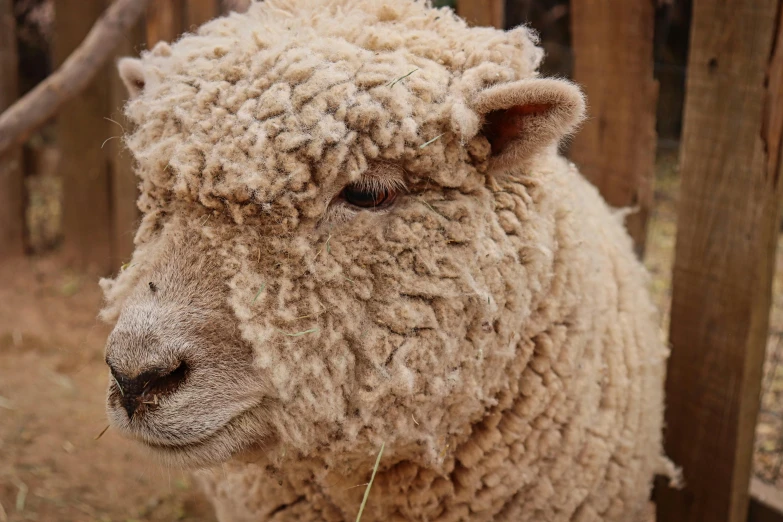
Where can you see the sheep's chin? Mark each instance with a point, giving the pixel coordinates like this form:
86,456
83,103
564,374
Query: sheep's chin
242,434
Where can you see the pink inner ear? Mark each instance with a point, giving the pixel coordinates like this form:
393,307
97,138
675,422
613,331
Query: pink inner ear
507,125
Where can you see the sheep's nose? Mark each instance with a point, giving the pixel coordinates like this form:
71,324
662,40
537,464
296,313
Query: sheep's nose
148,387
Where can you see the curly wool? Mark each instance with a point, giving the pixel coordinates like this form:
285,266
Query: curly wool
493,330
282,87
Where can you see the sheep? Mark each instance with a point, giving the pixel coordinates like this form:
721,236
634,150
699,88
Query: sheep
358,234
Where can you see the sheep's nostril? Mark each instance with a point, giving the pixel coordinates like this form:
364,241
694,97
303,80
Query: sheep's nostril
149,387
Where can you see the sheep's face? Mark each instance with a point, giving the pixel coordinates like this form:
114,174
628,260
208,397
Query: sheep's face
182,378
332,255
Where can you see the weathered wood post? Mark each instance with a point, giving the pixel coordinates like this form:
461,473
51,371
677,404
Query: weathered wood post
165,21
81,132
728,216
482,12
613,62
198,12
11,173
124,190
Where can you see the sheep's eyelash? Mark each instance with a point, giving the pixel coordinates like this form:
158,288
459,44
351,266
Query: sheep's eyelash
377,184
340,212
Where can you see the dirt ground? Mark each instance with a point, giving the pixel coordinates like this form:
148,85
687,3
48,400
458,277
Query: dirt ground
52,382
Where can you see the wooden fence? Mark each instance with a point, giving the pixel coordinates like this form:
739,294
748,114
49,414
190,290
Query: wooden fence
728,213
11,175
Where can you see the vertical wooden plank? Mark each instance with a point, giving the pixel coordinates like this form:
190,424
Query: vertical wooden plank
198,12
12,223
727,231
520,12
81,130
482,12
124,184
613,61
165,21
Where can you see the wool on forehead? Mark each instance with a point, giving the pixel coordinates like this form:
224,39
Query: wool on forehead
272,107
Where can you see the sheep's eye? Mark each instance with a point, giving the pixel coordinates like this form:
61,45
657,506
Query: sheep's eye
366,197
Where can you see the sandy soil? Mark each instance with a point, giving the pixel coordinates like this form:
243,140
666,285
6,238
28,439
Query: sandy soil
52,382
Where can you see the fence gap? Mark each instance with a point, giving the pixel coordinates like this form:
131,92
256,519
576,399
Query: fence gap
12,192
613,61
728,220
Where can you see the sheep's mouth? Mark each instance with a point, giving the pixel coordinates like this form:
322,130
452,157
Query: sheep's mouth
230,439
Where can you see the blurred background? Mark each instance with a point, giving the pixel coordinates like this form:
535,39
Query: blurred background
67,201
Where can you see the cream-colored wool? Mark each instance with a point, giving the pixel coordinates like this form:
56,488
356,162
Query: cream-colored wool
491,326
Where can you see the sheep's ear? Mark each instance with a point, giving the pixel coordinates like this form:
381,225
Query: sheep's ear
132,75
524,117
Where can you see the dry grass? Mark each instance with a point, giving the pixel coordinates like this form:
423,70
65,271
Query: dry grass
398,80
369,484
430,142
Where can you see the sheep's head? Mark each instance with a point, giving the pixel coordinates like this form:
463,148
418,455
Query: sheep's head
343,233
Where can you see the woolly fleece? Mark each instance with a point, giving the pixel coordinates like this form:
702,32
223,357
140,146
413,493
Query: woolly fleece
492,327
